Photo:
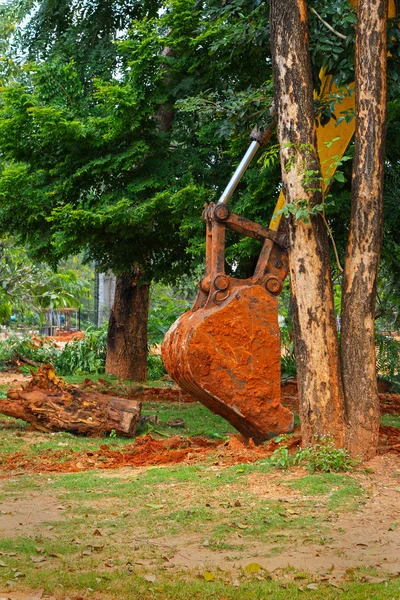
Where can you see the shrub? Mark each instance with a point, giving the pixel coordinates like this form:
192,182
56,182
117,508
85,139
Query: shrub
165,307
155,367
387,357
14,348
322,456
84,356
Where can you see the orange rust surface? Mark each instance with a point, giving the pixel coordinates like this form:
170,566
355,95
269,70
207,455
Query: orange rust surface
228,357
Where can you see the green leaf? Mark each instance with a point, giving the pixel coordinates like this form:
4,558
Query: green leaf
339,176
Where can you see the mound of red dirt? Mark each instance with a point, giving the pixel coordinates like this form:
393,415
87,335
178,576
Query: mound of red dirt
148,451
66,336
145,451
390,403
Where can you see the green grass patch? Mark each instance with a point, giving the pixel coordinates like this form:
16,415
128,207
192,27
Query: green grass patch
390,420
127,582
197,418
342,492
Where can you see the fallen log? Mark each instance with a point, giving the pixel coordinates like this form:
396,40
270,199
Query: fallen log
49,403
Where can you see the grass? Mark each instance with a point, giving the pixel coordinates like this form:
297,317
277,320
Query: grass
113,582
119,527
391,420
341,492
197,419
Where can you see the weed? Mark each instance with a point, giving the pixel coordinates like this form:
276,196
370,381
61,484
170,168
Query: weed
324,456
281,458
155,367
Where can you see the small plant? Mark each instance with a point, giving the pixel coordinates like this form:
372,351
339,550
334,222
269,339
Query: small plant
155,367
324,456
281,458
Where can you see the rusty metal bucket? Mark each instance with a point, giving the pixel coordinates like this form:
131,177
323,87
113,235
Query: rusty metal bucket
225,351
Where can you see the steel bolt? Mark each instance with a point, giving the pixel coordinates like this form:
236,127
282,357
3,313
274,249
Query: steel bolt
221,282
274,285
221,212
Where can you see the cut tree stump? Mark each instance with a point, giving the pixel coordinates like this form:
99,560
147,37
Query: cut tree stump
49,403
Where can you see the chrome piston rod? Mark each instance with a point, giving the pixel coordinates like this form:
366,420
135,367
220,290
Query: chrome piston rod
238,174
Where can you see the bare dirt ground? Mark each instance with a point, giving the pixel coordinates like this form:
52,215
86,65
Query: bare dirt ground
24,596
21,516
10,378
367,538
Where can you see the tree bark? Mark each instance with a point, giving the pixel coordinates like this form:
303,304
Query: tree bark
366,228
320,386
127,328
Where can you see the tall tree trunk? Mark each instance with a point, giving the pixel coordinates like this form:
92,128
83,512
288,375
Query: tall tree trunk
366,227
318,365
127,328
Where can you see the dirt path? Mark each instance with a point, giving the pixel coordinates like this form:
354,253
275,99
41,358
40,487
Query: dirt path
21,516
369,537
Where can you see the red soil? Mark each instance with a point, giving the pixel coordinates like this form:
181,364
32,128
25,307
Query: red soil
390,403
147,451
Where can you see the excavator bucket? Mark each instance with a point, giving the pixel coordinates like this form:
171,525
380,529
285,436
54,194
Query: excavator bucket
225,351
228,358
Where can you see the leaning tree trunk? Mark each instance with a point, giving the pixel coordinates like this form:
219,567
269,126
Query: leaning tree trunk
366,227
318,368
127,328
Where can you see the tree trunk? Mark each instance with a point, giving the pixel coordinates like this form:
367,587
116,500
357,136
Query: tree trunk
366,227
320,386
48,403
127,328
